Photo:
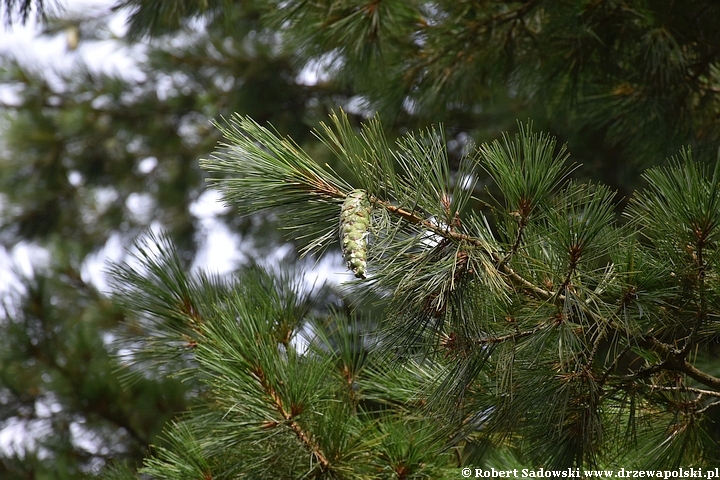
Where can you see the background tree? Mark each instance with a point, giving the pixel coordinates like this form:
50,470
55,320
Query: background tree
630,79
91,160
625,83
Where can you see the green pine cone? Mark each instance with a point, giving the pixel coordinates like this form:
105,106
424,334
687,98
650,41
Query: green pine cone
354,224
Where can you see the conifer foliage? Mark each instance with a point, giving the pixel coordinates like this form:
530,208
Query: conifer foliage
524,322
540,330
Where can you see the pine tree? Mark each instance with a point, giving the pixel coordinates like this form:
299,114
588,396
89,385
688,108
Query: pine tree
538,330
624,83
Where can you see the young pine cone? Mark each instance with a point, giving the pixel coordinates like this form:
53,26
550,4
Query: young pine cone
354,224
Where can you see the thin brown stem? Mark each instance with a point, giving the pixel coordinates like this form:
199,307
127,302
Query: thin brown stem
699,391
511,336
522,223
615,363
709,406
698,375
702,311
288,417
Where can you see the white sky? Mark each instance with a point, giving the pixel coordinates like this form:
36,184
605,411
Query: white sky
52,53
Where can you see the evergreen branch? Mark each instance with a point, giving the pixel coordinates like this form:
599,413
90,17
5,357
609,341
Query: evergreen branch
696,374
602,336
596,346
272,171
277,172
709,406
672,360
268,167
650,342
517,279
526,285
643,372
614,364
522,224
502,267
513,14
702,313
510,337
414,219
474,28
699,391
304,437
627,294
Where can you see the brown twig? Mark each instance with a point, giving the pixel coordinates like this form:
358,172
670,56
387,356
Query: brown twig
288,417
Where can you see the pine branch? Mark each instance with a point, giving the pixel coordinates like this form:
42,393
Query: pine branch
457,237
522,224
708,407
696,374
554,258
289,417
699,391
512,14
512,337
527,286
295,179
671,360
702,312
